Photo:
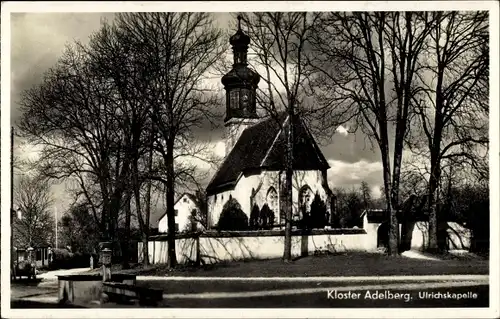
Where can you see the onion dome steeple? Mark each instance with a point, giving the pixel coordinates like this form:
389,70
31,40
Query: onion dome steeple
241,82
240,42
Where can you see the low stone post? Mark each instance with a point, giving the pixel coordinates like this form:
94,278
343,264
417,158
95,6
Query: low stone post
91,262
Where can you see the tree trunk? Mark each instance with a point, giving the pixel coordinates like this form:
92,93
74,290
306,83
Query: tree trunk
398,151
126,236
145,249
432,202
104,219
148,204
148,212
434,178
144,227
172,260
113,220
393,219
435,149
287,254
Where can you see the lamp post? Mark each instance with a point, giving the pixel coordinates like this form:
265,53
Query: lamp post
106,254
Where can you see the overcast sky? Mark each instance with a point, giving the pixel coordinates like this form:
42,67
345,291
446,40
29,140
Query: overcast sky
38,40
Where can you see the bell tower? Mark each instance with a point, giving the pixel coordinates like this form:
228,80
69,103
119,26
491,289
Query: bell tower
241,85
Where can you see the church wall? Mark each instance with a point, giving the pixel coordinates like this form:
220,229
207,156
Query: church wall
261,183
314,180
241,193
215,205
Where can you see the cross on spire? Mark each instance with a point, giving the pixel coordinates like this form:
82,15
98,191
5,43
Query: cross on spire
239,22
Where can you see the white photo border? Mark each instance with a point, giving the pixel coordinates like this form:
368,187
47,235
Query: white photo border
236,6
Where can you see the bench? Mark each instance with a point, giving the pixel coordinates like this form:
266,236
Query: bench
124,293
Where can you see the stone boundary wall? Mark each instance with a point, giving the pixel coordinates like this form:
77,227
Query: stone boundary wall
214,246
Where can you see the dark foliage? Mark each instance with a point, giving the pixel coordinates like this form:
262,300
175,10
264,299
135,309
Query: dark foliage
469,206
201,216
79,231
64,259
266,217
318,217
254,217
349,208
232,217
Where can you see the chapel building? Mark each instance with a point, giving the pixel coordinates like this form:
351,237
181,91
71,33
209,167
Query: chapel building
253,170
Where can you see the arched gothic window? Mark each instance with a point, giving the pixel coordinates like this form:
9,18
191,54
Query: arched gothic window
272,202
306,197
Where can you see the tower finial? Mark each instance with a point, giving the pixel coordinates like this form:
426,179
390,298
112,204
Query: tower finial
239,22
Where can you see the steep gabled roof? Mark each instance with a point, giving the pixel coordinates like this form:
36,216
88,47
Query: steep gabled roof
413,208
188,195
263,146
378,215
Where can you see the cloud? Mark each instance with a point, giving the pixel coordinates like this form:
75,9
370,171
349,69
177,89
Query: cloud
347,175
351,147
38,40
342,130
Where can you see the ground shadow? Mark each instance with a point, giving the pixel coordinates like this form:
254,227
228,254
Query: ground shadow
26,282
34,304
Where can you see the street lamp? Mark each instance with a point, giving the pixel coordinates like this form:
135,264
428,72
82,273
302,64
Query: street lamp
30,254
106,255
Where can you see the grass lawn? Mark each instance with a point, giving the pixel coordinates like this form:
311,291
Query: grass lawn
347,264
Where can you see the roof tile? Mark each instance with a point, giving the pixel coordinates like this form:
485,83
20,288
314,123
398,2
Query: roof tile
262,139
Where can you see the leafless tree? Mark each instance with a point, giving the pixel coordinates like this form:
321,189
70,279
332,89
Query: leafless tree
365,66
453,108
36,223
112,110
71,116
366,194
176,51
278,43
349,206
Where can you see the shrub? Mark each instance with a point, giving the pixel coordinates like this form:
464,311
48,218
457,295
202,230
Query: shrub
317,219
254,217
64,259
192,225
335,221
266,217
232,217
60,258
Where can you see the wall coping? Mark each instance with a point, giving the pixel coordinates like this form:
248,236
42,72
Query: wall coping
94,277
264,233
